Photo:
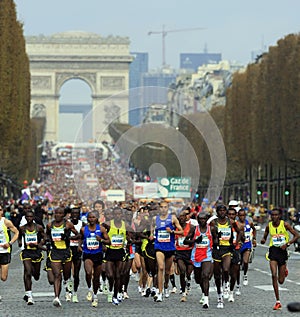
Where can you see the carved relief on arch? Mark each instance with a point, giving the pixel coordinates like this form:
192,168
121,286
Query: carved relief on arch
40,82
61,78
38,111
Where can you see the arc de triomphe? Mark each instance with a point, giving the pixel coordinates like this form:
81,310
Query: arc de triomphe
102,62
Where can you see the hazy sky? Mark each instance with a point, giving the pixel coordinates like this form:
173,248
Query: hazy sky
233,28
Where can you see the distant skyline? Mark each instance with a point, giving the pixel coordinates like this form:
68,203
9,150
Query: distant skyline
233,28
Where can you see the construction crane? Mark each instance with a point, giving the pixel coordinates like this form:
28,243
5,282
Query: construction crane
164,33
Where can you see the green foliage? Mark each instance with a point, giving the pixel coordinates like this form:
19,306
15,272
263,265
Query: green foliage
259,122
15,125
263,110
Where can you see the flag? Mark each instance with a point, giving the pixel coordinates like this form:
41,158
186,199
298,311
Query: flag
48,195
25,194
24,197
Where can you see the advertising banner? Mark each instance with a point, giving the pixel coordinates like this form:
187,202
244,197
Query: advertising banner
174,187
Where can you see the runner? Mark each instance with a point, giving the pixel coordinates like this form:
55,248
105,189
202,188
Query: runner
163,226
148,252
91,238
118,233
278,255
99,206
248,243
72,287
130,254
183,255
6,244
201,237
58,232
235,264
31,239
222,248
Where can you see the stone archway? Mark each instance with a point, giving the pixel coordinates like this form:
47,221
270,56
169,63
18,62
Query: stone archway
103,63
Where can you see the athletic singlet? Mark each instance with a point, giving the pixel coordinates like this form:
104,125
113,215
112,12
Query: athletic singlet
56,239
164,240
4,238
117,235
202,250
78,226
180,238
234,236
247,233
279,235
31,237
145,241
225,229
90,244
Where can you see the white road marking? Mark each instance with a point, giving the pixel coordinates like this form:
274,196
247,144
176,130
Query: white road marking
43,294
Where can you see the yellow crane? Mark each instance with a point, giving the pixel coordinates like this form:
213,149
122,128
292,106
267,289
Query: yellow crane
164,33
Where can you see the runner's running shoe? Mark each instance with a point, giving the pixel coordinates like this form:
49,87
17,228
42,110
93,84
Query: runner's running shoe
220,304
89,296
183,298
147,292
75,298
245,281
56,302
230,298
30,301
68,297
205,303
166,293
159,297
120,297
115,301
226,290
95,302
277,306
109,297
174,290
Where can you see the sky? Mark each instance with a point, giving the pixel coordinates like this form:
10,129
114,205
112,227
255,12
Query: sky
233,28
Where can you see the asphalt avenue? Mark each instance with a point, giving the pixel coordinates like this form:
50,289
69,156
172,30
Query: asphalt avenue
257,299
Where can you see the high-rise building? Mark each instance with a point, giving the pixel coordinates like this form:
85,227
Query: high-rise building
156,84
191,61
138,67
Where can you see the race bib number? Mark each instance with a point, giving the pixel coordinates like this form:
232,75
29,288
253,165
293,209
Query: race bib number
278,240
31,238
163,236
117,240
92,243
247,236
204,243
234,237
56,234
180,242
226,233
74,243
2,240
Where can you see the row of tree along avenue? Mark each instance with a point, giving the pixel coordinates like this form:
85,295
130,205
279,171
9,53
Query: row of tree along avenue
259,129
18,135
